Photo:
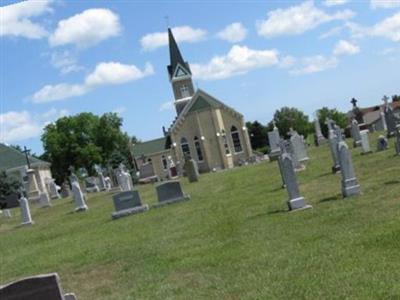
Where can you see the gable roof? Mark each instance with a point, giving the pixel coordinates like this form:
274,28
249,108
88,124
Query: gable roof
175,55
151,147
201,100
11,158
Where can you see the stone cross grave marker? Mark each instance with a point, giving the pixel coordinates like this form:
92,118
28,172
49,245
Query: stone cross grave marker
299,147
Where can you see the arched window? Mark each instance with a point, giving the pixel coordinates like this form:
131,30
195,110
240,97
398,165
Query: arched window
237,145
185,146
197,146
164,162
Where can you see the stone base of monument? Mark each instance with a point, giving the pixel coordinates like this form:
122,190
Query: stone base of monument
335,169
171,201
129,211
298,204
27,223
81,208
274,155
350,188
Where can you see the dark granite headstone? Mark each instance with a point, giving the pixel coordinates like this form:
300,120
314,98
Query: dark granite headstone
170,192
42,287
128,203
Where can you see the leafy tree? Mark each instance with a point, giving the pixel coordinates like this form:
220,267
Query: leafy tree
258,135
8,185
396,98
340,118
289,117
82,141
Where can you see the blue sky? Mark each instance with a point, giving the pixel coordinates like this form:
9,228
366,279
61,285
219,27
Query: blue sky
65,57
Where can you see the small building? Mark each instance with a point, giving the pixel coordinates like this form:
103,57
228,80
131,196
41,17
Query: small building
206,129
14,163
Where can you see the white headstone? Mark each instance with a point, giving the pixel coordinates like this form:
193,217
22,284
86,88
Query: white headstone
79,198
25,211
350,186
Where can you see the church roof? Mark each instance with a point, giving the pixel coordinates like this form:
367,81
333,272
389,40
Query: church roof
151,147
11,158
175,55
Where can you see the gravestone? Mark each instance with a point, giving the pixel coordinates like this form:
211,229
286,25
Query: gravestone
274,139
296,163
365,142
32,187
107,181
147,174
295,202
333,143
281,171
299,147
382,143
25,212
100,177
126,181
41,287
52,188
397,142
91,185
127,203
191,169
44,200
350,186
355,133
79,198
320,139
65,190
391,120
170,192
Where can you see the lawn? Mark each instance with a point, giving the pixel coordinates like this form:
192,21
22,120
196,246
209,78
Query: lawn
233,240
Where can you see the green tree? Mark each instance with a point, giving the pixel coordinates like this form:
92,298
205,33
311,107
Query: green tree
8,185
396,98
289,117
258,135
82,141
340,119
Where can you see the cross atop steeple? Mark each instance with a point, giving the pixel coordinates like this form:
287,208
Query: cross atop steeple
354,102
27,152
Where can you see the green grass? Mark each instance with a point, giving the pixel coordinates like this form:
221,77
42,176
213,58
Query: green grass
232,240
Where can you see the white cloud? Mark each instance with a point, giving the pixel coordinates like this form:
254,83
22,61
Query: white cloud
332,32
65,62
335,2
110,73
87,28
297,19
345,48
315,64
16,19
385,3
156,40
233,33
388,28
169,105
239,60
20,125
119,110
105,73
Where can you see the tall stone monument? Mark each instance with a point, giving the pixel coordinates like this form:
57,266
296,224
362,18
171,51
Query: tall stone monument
355,133
296,201
79,198
350,186
319,137
25,211
274,140
391,121
333,144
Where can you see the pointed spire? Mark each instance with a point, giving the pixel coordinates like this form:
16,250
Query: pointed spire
175,55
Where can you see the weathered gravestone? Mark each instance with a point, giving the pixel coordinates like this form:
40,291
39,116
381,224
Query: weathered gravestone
41,287
25,212
44,200
125,181
100,177
79,198
397,142
299,148
295,202
274,140
170,192
91,185
365,142
191,169
65,190
319,138
355,133
6,213
128,203
382,143
350,186
107,181
31,186
391,120
147,173
52,188
333,143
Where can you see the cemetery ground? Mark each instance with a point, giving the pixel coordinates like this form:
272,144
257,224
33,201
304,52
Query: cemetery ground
233,240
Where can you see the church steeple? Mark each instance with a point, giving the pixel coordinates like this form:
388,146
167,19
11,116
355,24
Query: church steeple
180,75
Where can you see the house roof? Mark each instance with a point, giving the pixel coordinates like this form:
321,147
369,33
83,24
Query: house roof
151,147
175,55
11,158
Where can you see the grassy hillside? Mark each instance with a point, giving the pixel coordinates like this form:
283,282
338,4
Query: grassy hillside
233,240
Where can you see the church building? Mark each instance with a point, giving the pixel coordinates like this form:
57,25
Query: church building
206,129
